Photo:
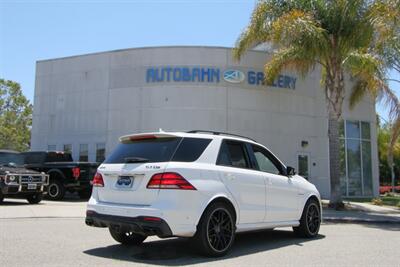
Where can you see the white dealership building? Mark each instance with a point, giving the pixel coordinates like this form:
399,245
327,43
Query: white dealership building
84,103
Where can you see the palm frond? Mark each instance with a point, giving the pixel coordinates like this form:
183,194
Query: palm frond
295,58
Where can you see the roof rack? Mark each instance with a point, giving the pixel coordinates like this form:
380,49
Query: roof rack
220,133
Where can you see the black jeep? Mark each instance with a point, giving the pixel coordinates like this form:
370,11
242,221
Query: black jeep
18,182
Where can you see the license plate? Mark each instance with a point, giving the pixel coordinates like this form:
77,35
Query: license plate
32,186
124,182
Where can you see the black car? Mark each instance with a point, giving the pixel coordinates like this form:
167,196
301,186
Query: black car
65,174
18,182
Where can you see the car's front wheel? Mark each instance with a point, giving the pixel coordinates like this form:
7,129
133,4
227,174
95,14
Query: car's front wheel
310,220
216,230
34,198
127,238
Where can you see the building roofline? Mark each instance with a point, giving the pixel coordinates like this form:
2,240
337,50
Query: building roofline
143,48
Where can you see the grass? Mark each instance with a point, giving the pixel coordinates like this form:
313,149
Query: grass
387,200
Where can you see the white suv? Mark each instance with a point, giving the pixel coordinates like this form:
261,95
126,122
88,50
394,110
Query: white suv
205,185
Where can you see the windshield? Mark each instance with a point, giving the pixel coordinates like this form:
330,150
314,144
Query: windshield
11,159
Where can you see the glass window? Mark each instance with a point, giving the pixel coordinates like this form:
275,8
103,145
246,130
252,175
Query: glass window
51,147
100,152
356,180
148,150
341,129
303,165
365,130
233,154
190,149
83,152
68,148
354,167
352,129
367,167
263,162
343,179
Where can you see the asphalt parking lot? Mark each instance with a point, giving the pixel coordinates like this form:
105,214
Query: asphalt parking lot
54,234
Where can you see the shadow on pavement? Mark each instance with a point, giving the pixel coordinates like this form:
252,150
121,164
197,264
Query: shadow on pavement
382,225
13,202
180,251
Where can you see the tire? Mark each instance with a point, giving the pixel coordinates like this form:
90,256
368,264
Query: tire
1,197
35,198
85,194
55,190
310,221
127,238
216,230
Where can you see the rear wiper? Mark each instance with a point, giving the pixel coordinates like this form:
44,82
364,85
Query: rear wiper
135,160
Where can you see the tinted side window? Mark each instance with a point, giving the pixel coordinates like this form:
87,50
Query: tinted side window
58,157
233,154
190,149
264,161
33,158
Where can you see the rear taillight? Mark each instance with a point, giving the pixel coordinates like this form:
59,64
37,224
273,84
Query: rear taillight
76,172
169,180
98,180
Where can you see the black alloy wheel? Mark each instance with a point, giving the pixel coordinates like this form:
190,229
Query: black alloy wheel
216,230
310,221
220,230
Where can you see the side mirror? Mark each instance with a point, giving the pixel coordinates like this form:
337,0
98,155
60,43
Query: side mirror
290,171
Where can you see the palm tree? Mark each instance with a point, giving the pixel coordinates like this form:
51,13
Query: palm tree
336,35
385,16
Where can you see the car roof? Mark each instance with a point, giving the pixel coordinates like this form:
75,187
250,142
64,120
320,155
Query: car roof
192,134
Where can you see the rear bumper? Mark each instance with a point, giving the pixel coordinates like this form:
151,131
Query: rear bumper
140,225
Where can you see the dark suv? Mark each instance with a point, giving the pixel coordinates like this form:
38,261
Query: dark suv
17,181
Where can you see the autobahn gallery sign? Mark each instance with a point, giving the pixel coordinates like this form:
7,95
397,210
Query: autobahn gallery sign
214,75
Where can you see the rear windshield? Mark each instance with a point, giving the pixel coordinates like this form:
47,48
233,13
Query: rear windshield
159,150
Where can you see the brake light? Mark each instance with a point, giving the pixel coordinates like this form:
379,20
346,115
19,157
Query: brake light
76,172
98,180
169,180
142,137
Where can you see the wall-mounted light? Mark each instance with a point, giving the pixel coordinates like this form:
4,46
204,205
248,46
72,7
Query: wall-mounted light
304,143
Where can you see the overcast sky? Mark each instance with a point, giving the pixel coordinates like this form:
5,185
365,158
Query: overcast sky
35,30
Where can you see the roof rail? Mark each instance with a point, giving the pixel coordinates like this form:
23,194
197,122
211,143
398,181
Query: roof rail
220,133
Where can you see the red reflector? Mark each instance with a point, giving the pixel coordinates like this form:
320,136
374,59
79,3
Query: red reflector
142,137
169,180
151,219
76,172
98,180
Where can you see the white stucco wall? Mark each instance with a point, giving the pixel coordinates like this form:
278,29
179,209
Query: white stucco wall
96,98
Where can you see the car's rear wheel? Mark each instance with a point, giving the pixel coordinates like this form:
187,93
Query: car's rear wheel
127,238
216,230
310,220
34,198
55,190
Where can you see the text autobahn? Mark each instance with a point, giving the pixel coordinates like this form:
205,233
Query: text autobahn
214,75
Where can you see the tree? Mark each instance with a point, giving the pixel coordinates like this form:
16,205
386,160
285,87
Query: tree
335,35
15,117
386,20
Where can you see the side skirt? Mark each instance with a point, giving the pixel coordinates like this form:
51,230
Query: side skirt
264,225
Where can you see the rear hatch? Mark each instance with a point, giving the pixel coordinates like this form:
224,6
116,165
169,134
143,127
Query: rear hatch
130,166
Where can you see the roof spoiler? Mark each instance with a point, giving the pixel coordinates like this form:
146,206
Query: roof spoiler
144,136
